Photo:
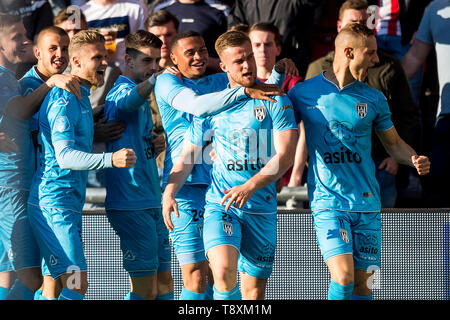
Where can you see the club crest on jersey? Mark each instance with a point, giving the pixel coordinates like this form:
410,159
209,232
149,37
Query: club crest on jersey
344,235
259,112
361,109
227,227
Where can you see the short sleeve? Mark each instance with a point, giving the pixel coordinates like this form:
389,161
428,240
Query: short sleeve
424,33
383,120
282,114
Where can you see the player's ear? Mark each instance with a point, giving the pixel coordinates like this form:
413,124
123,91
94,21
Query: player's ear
223,66
349,53
75,61
37,52
128,60
173,58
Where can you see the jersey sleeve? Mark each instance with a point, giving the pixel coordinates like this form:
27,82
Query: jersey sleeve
125,98
63,115
172,90
383,120
199,132
282,114
295,104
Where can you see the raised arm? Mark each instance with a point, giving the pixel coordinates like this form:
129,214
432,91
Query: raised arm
415,57
23,108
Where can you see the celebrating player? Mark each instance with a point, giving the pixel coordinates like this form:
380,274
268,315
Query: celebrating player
339,111
18,249
240,210
133,198
59,185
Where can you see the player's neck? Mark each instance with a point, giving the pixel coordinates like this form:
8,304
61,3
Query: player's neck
41,74
339,75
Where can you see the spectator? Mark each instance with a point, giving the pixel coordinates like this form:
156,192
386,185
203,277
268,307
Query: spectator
387,76
164,25
395,27
199,16
294,19
434,32
266,43
115,19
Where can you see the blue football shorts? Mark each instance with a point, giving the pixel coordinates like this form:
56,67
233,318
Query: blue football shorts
144,240
187,235
356,233
58,233
18,246
253,235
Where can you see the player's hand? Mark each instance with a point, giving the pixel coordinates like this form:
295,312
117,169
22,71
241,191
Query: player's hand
6,144
104,132
390,165
287,66
263,91
422,164
124,158
159,141
174,71
169,205
237,196
67,82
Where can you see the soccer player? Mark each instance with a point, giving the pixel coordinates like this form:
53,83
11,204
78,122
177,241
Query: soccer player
251,140
339,112
133,196
51,51
177,101
19,254
59,185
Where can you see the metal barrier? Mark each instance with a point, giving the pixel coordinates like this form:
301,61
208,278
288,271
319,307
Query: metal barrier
415,257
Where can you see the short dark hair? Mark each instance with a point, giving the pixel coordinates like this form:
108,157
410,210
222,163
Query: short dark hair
141,39
160,18
352,4
7,20
267,27
183,35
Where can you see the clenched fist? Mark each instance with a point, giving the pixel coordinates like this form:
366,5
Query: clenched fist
124,158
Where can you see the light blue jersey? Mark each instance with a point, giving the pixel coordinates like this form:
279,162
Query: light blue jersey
66,131
30,82
338,125
137,187
243,142
176,122
15,171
